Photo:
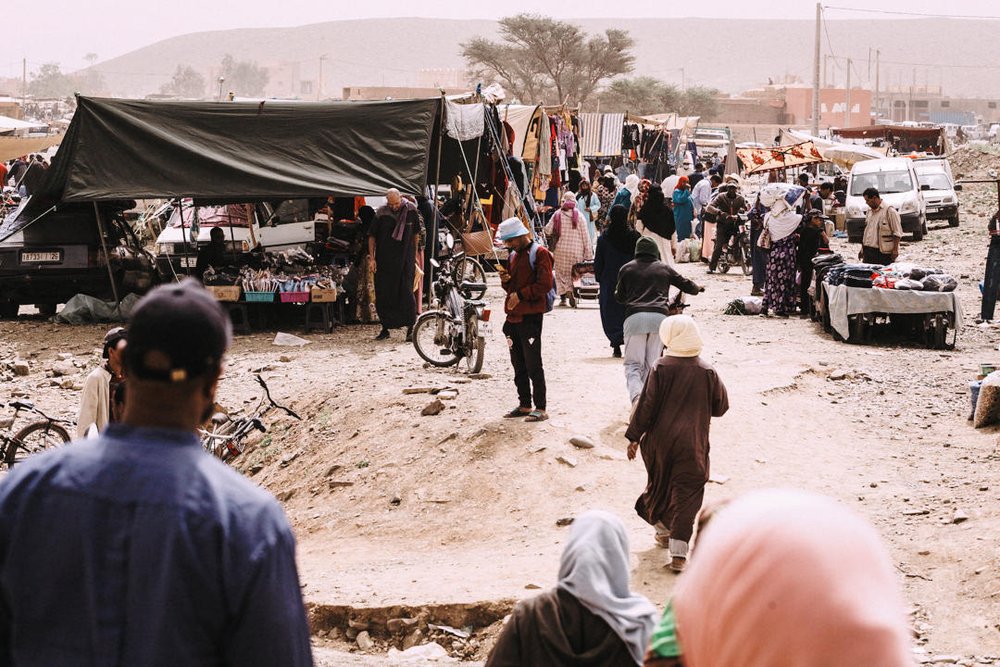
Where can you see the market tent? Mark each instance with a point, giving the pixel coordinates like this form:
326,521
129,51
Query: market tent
122,149
844,156
8,124
12,147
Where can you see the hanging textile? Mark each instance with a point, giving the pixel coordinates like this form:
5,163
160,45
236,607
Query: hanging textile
464,121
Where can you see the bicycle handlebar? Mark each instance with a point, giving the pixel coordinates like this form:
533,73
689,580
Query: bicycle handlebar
274,404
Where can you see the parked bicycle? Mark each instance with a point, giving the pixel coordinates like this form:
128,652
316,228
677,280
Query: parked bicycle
455,327
33,438
227,437
737,250
464,269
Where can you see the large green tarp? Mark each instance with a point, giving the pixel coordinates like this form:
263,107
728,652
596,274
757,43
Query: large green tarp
233,151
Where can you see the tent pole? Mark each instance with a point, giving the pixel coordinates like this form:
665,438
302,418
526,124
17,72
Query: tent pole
184,238
232,234
437,183
107,257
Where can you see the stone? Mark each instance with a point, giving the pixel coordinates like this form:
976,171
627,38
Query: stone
435,407
394,625
21,368
532,587
364,641
839,374
284,359
565,521
357,625
568,460
61,369
67,383
581,442
414,638
65,356
959,517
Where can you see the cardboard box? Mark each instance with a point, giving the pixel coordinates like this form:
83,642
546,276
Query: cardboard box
225,292
321,295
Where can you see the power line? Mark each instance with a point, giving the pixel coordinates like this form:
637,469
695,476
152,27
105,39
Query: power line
902,13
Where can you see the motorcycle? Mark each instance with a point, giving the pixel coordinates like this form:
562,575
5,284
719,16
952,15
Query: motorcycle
737,250
455,328
465,268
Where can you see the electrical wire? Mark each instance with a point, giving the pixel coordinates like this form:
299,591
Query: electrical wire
903,13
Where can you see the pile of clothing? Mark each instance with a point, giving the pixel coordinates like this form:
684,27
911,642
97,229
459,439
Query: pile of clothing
901,276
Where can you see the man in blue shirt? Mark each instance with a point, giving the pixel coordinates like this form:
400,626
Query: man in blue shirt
139,548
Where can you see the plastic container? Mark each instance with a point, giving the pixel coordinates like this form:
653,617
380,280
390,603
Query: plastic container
258,297
293,297
974,388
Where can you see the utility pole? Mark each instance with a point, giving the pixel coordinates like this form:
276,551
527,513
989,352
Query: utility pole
826,57
847,107
877,91
24,84
815,109
319,84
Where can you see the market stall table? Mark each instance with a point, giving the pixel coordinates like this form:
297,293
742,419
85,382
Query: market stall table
843,302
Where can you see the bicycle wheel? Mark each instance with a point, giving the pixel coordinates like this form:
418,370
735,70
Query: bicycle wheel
470,270
476,350
745,256
434,337
35,438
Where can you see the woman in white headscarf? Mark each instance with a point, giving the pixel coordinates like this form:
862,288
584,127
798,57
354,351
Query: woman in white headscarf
627,194
591,618
780,224
670,423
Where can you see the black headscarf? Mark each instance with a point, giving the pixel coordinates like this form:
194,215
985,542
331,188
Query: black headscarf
655,214
618,234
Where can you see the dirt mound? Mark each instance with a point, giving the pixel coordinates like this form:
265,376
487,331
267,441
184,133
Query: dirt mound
975,161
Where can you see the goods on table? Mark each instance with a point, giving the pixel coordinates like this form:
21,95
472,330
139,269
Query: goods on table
901,276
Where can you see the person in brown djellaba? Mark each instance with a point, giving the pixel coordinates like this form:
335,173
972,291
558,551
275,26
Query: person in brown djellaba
670,423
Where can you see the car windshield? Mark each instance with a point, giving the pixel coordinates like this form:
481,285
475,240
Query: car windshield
887,182
936,181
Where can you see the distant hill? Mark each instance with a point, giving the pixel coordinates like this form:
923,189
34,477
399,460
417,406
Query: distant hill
731,55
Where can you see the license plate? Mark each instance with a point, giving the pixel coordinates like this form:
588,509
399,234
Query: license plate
53,257
189,262
933,209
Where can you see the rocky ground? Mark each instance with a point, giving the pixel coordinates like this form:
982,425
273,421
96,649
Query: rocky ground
416,529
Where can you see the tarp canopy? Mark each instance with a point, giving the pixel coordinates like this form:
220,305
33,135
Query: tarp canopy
882,131
756,160
8,124
231,151
844,156
12,147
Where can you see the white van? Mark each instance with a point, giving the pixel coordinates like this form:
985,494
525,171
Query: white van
938,189
897,184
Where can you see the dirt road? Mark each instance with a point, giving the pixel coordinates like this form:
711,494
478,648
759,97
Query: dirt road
394,509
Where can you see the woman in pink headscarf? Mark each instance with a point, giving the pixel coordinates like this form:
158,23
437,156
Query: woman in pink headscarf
570,243
785,579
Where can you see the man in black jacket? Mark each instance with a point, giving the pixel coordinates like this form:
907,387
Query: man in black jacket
644,289
726,207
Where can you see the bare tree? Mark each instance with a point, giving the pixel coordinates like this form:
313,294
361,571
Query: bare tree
540,59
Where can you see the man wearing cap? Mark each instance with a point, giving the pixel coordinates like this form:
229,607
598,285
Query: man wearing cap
527,280
726,207
139,548
644,289
95,400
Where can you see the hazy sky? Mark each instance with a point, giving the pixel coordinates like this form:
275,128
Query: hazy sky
65,31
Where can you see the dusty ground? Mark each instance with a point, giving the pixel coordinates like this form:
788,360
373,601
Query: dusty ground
396,513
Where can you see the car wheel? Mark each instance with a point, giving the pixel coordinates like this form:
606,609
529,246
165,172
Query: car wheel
918,233
8,310
953,221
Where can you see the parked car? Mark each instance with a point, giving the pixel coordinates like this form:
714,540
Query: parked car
293,223
59,253
896,181
939,191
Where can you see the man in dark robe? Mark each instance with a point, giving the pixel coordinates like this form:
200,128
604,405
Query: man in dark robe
670,423
393,240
